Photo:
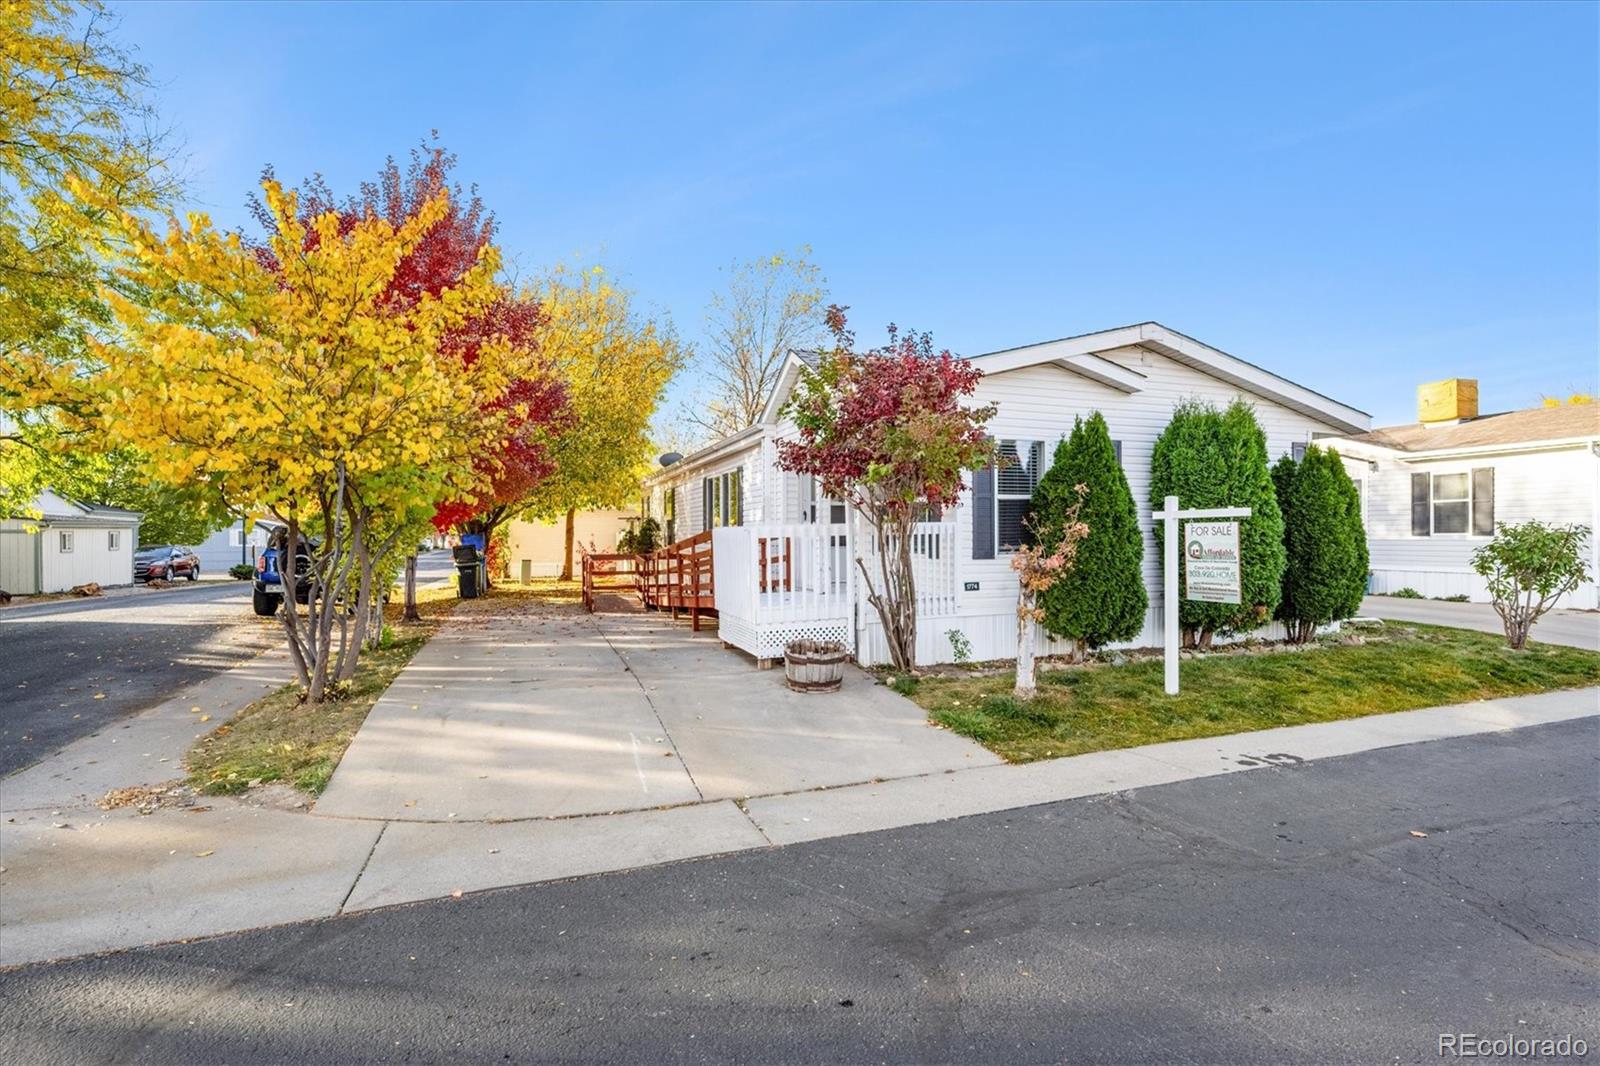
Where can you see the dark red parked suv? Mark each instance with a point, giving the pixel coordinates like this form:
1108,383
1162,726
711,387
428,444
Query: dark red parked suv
166,561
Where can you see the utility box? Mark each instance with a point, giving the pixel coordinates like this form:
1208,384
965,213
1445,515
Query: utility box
1450,400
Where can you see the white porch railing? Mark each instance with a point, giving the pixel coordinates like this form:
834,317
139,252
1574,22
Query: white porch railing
934,566
778,581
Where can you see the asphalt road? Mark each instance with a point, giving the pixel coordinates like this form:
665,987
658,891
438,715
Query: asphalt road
135,648
1297,914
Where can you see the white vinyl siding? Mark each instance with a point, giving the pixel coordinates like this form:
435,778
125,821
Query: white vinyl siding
1560,486
1039,403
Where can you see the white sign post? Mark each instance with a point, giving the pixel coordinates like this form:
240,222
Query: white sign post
1211,561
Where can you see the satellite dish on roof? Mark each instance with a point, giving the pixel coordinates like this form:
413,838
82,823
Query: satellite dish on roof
670,457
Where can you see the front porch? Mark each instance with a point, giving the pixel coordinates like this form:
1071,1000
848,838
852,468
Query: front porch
771,583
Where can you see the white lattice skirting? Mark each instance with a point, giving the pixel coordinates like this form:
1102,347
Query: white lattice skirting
767,641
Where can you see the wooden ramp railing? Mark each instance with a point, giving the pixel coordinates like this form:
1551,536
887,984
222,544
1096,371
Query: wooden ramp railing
602,573
678,578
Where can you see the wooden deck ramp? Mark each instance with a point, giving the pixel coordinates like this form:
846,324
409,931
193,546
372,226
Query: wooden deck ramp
675,580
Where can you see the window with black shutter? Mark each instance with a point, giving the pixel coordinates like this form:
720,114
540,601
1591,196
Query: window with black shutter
1457,503
1421,521
1483,501
1021,466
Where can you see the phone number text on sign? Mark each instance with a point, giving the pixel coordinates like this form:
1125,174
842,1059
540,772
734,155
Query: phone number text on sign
1211,561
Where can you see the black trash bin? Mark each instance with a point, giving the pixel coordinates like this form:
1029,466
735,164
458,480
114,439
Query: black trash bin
469,572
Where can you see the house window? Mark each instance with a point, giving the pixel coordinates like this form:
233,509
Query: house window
670,512
113,539
1297,450
1461,502
1022,463
65,542
733,498
722,499
1116,446
1452,503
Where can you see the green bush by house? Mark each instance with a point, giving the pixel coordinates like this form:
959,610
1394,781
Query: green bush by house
1102,598
1212,458
1324,543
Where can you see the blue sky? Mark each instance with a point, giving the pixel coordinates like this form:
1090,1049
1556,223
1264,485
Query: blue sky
1360,197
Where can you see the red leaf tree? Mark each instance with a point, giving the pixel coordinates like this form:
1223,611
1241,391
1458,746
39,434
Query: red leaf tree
888,432
509,476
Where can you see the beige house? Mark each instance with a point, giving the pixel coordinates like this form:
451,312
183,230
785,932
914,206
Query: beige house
536,549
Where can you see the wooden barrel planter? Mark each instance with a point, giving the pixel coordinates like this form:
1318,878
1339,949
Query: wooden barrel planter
814,665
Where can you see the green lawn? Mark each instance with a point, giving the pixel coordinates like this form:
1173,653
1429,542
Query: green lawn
1097,707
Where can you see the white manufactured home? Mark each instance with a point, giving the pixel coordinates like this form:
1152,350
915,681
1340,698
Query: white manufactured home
782,556
68,544
1435,490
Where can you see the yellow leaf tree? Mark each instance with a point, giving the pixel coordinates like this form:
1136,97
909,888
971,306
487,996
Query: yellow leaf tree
282,377
72,106
615,365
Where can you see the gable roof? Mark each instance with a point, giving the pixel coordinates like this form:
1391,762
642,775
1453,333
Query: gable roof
1535,425
1080,355
56,509
794,364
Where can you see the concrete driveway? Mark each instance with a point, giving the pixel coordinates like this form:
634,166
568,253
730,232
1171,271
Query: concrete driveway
1577,629
534,712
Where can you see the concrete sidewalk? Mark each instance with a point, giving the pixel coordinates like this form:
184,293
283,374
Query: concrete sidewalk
1576,629
79,881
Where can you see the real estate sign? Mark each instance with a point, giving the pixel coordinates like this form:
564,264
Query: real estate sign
1211,561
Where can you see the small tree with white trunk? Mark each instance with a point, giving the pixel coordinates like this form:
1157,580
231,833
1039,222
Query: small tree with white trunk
1038,567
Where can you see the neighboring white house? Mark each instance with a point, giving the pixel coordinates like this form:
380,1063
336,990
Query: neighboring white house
1435,490
782,555
231,545
69,544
